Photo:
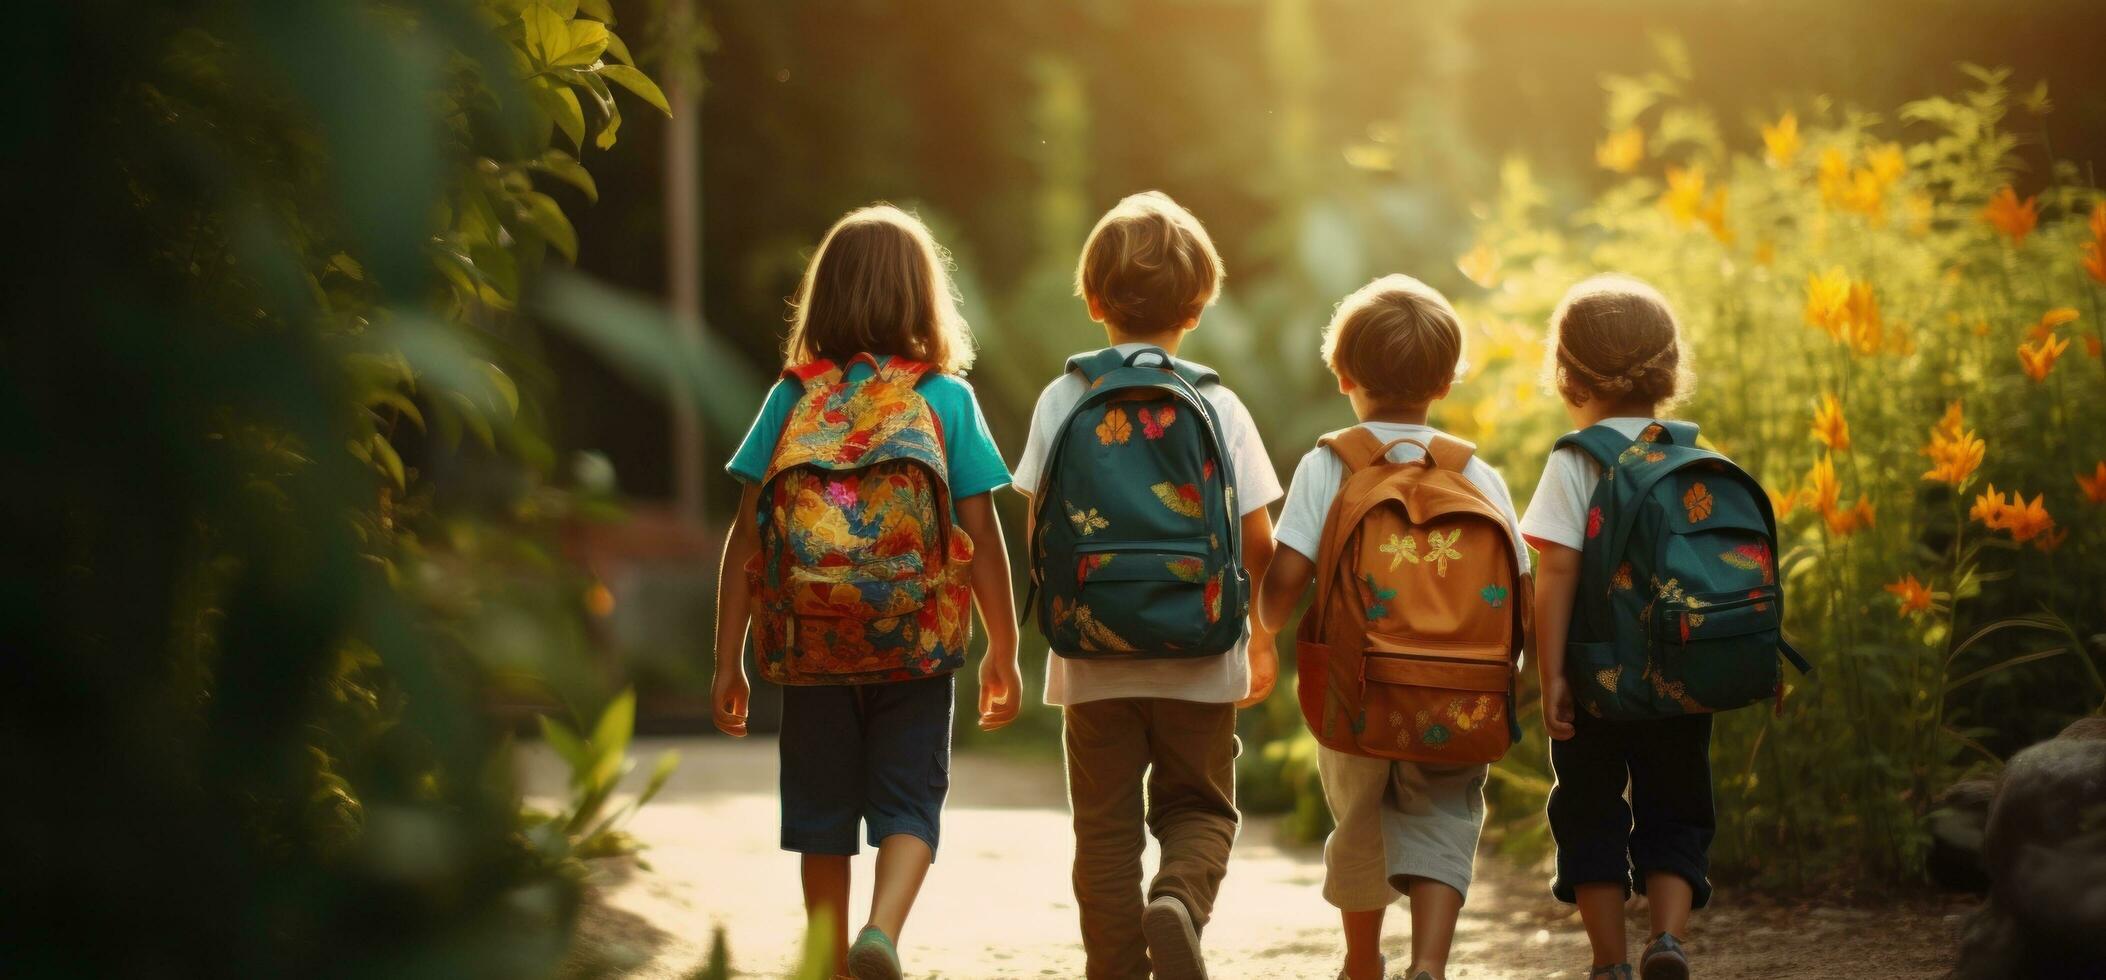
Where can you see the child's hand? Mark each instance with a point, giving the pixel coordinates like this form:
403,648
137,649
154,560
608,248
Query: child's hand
1264,668
728,697
1557,708
1001,689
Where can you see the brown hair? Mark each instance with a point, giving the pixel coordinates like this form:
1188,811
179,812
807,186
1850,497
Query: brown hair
1397,338
879,284
1149,265
1615,338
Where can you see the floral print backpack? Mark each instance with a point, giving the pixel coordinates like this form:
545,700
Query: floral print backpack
860,577
1136,543
1679,609
1410,647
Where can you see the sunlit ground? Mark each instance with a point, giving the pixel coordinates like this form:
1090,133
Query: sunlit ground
998,905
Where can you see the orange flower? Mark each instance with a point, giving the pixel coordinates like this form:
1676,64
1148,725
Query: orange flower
1834,175
2056,317
2026,521
2052,539
2094,486
1949,424
2091,347
1828,301
1954,460
2038,361
1684,197
1829,427
1782,504
2095,260
1915,598
1863,512
1780,143
1845,521
2014,218
1990,508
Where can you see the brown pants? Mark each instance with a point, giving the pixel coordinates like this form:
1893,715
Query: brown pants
1187,752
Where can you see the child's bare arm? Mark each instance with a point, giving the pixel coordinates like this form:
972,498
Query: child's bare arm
1557,579
1001,688
1286,579
1264,652
729,692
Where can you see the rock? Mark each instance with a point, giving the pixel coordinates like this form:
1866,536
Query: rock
2044,848
2088,727
1956,822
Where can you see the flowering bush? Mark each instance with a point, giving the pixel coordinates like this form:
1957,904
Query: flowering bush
1907,351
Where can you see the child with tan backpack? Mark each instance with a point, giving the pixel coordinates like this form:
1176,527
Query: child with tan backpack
1406,658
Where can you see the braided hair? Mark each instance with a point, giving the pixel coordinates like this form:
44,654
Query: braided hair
1614,337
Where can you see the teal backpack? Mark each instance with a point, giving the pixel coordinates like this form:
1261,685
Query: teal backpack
1136,547
1679,609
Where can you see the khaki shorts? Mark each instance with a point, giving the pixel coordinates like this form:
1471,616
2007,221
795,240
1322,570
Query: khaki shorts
1397,820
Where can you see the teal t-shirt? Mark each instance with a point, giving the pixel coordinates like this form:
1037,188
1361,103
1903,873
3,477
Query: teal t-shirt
975,464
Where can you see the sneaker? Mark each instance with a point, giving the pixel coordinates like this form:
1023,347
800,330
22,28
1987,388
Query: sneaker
1616,971
1663,959
1173,942
872,957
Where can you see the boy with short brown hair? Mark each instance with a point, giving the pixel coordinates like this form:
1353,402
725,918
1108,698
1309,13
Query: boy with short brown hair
1146,273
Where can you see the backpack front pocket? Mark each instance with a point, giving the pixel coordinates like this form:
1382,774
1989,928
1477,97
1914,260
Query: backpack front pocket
880,588
1157,597
1717,651
1433,701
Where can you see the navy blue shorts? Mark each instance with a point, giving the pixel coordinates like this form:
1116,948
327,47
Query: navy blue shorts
878,753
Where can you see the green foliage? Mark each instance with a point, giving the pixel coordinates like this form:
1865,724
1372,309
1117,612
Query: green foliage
280,518
598,762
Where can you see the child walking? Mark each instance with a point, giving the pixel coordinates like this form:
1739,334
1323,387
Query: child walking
864,536
1403,827
1143,711
1630,677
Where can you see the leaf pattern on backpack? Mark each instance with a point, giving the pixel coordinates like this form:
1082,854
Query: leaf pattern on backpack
1187,569
1494,595
1182,498
1211,598
1154,421
1400,549
1608,678
1090,563
1379,595
1751,558
1439,549
1621,580
1697,502
1593,523
1115,428
1086,523
1096,636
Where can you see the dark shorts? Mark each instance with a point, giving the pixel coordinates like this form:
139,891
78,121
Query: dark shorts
878,753
1664,823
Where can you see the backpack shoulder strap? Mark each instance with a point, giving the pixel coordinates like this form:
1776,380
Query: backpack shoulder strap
821,371
896,370
1450,453
1097,363
1354,446
1195,373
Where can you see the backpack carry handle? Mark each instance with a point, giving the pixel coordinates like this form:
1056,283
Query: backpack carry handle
1358,449
1162,357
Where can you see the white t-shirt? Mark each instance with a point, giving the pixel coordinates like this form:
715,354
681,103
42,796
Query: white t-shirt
1213,680
1317,478
1557,514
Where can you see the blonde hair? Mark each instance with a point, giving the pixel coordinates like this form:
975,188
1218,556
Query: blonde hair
1397,338
879,284
1149,265
1614,337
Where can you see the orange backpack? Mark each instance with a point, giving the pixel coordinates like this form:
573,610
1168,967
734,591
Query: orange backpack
860,577
1410,649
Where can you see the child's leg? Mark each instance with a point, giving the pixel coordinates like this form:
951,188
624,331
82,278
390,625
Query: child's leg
1106,743
821,749
1356,876
907,734
1591,823
826,900
1671,805
1430,827
1192,799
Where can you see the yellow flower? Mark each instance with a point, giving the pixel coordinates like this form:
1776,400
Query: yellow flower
1481,264
1834,175
1887,163
2040,332
1622,151
1780,142
1822,489
1989,507
1684,197
1954,456
1866,195
1866,327
1713,215
1828,301
1915,598
2095,250
1829,427
2015,219
2038,360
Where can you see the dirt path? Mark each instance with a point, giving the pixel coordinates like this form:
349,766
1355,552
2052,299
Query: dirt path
997,903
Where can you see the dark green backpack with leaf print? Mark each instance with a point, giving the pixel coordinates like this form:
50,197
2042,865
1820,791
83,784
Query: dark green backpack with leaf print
1136,548
1679,608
